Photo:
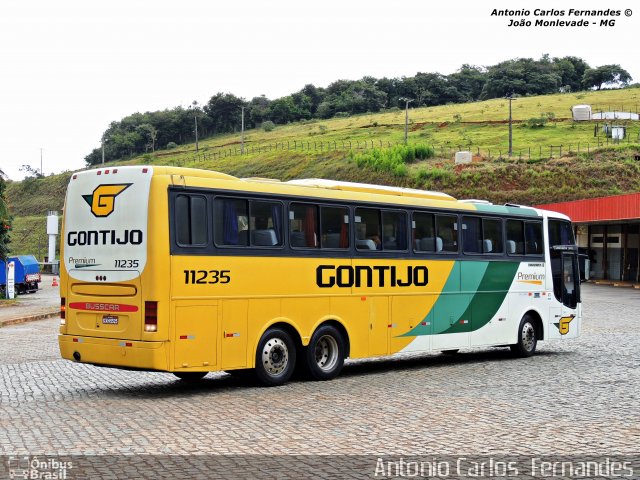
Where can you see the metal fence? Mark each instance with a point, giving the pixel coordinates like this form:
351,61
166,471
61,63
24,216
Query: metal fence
539,152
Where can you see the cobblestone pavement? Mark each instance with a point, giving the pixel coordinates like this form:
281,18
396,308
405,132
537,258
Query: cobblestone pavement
572,397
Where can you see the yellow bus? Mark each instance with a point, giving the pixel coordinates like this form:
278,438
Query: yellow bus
191,271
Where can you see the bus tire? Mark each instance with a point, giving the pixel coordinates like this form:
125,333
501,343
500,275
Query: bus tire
527,338
325,354
190,376
275,357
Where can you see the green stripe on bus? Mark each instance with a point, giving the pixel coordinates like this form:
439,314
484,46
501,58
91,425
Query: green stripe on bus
489,296
450,299
473,292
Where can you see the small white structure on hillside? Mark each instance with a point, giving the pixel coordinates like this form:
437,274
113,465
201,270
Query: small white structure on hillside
618,132
581,112
463,157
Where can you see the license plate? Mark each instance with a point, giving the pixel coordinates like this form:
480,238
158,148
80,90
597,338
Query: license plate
109,320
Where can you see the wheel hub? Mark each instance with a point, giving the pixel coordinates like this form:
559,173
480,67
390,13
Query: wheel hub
326,352
528,336
275,356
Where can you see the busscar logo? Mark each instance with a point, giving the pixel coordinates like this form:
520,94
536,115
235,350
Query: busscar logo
103,199
563,324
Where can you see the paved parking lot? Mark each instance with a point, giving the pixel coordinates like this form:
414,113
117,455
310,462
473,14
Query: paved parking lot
573,397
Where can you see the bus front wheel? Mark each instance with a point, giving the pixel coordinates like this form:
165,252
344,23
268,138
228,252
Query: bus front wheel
275,357
527,338
325,353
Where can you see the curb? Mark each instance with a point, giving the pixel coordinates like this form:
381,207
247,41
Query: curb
30,318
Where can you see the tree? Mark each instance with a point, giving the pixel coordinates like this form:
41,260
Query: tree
5,221
224,111
283,110
606,74
468,81
30,171
150,134
522,76
571,71
258,110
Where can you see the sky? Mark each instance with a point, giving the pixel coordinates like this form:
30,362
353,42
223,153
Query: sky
70,67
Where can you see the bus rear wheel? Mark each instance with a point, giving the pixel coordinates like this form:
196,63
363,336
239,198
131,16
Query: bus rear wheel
527,338
325,353
275,357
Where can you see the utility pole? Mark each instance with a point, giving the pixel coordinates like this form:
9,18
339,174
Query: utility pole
510,98
103,152
242,134
41,173
195,118
406,117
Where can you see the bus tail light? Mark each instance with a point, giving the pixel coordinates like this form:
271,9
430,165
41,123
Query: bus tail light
63,311
150,316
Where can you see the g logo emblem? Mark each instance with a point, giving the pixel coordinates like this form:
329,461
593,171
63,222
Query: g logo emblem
103,199
563,324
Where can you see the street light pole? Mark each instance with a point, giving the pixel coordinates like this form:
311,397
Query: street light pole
510,98
195,118
242,134
406,117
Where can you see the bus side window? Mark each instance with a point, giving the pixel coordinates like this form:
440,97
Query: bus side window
334,224
492,236
447,230
191,220
303,225
265,225
471,235
423,235
533,238
231,222
515,237
394,230
368,229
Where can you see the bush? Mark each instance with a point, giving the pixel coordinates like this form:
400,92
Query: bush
536,122
268,126
342,115
394,159
172,145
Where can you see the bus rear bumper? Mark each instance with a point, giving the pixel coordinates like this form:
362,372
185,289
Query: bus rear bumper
114,352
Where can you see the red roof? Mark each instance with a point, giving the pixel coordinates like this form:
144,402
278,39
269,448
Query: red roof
618,207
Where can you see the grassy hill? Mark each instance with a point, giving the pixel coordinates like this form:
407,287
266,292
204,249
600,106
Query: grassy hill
554,159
